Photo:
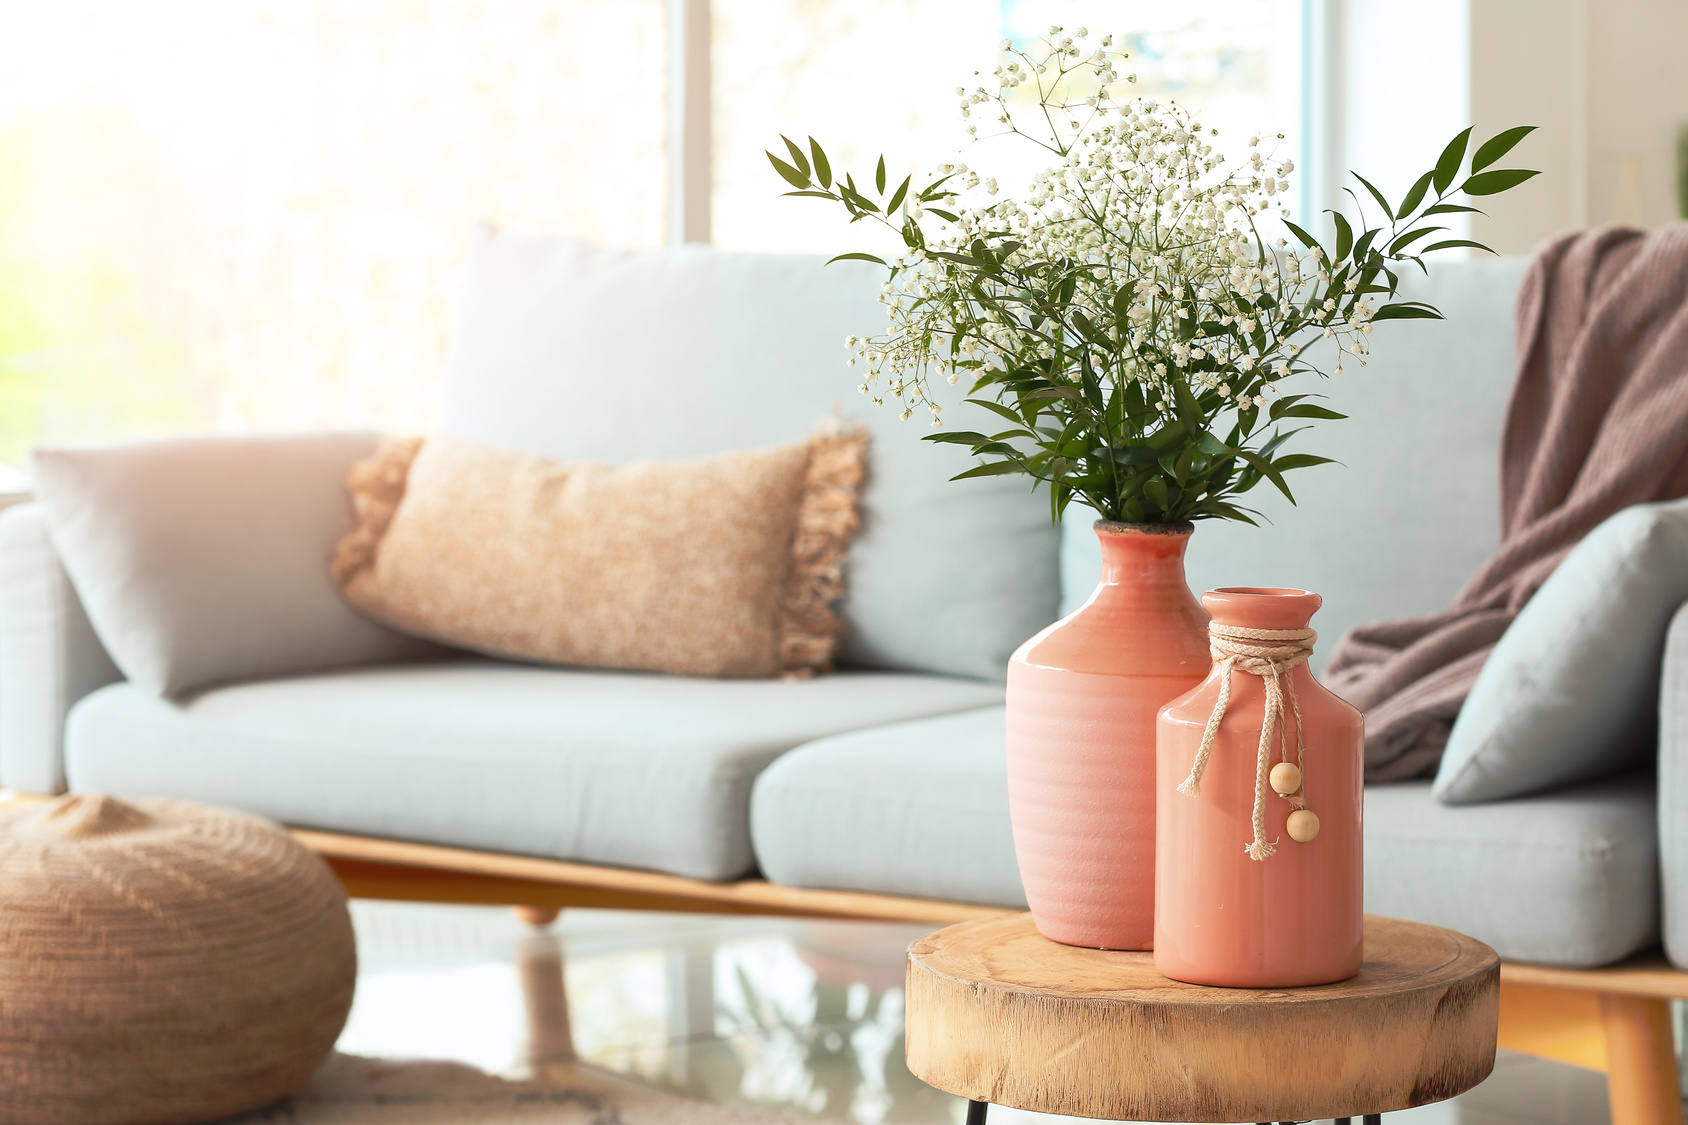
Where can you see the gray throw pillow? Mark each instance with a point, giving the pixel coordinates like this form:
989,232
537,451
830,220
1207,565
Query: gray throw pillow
204,560
1571,691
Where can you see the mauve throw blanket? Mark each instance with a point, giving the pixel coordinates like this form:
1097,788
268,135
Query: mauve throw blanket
1597,421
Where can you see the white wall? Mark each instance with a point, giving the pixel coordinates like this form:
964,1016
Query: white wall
1606,82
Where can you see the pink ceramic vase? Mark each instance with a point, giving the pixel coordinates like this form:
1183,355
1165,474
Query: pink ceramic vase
1293,917
1082,699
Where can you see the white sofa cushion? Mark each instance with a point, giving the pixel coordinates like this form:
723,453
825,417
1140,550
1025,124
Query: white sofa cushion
585,354
205,560
606,767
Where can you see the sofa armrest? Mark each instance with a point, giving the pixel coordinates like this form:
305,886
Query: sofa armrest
1673,789
49,656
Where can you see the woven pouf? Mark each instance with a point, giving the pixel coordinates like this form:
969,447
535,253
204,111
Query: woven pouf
162,961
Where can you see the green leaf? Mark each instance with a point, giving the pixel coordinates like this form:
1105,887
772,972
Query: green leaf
1155,489
999,409
879,177
958,437
857,258
1307,240
989,469
897,197
1447,165
1282,436
856,198
1499,145
1365,242
1306,410
1411,237
1410,310
1496,181
1449,209
1377,195
1453,242
811,193
1227,511
797,157
945,215
1301,461
1135,455
823,168
1415,195
1344,236
1271,473
791,175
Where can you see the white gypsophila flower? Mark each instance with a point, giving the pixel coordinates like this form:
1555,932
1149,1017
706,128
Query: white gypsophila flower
1169,289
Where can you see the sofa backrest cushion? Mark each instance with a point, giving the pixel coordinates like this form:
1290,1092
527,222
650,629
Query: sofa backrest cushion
1413,508
205,560
586,354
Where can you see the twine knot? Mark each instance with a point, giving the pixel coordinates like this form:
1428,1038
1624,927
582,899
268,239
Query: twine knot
1270,654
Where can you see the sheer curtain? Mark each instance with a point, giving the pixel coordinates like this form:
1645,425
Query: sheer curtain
250,214
243,214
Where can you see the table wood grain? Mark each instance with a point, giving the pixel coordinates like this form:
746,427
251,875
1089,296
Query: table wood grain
1000,1014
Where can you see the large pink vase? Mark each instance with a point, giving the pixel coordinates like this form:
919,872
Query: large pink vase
1223,917
1082,699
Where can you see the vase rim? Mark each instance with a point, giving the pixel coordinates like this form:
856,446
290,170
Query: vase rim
1264,592
1120,527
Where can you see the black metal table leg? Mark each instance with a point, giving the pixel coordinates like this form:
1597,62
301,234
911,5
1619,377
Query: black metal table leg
976,1112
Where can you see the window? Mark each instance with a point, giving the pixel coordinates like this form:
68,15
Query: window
240,213
867,77
249,214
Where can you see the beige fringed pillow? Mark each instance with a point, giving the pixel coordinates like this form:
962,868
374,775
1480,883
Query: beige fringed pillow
713,566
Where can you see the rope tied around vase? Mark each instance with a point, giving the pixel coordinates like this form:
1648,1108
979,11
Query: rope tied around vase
1237,649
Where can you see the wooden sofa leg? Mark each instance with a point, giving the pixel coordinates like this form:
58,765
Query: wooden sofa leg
538,916
1641,1078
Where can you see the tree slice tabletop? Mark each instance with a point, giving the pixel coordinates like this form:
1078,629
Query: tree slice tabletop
998,1013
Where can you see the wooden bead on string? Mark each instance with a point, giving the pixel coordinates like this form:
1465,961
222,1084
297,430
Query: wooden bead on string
1302,825
1285,778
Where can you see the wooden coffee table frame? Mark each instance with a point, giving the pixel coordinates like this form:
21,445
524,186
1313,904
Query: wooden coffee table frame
1615,1019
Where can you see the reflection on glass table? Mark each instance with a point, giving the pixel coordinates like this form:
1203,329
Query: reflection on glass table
797,1016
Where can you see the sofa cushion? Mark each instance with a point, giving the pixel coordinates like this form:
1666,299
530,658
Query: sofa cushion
1563,878
1571,691
205,560
619,768
698,566
585,354
915,808
921,808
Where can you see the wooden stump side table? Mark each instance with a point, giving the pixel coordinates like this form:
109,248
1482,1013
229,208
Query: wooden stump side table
1001,1015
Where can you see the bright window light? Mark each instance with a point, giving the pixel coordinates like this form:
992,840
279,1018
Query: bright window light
241,214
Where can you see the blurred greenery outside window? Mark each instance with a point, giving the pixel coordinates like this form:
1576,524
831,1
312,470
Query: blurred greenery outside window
240,215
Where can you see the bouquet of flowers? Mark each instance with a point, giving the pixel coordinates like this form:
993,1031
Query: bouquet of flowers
1126,320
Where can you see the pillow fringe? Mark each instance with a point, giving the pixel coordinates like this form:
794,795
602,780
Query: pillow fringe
377,485
827,518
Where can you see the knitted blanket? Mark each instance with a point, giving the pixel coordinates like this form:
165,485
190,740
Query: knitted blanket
1597,421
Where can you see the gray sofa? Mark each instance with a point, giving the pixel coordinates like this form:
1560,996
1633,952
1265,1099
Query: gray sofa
887,776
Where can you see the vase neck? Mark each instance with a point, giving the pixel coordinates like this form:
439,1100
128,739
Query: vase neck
1259,607
1143,557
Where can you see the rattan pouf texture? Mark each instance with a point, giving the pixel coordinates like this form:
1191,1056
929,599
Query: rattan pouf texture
162,962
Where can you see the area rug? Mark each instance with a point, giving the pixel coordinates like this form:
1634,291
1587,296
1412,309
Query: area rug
348,1090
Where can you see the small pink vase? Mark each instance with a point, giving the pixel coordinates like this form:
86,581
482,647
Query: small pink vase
1082,699
1222,917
